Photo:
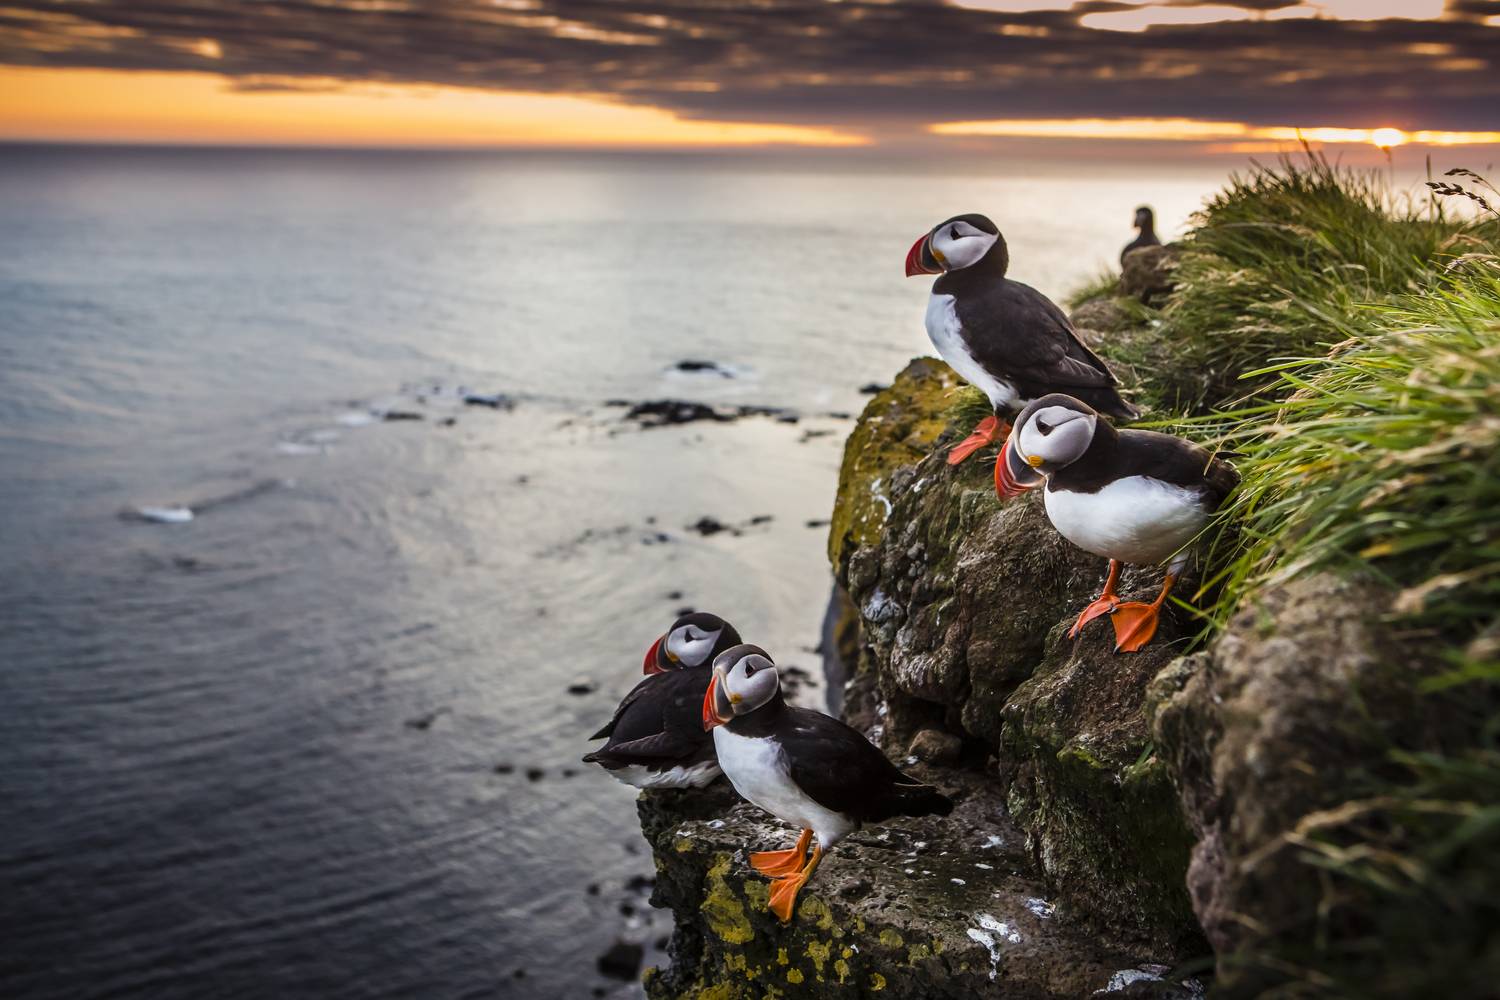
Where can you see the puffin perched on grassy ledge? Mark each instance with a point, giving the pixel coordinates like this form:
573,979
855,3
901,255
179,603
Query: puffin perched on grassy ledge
803,767
1132,496
1006,339
656,737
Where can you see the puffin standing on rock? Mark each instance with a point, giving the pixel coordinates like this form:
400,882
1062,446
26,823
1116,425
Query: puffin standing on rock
1006,339
1131,496
803,767
656,738
1145,222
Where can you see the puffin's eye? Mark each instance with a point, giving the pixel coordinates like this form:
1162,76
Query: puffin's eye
1043,426
749,669
954,234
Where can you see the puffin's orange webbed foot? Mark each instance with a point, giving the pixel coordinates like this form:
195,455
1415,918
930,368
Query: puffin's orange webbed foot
784,890
1101,606
1106,602
781,863
1135,624
986,432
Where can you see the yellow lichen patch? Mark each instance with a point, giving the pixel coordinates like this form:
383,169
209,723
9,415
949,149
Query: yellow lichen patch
718,991
890,938
781,958
917,952
819,952
859,924
846,953
722,910
937,946
877,982
817,911
842,968
794,976
682,845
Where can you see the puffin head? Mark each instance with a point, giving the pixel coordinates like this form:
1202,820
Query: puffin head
1051,433
692,641
1144,218
958,243
744,680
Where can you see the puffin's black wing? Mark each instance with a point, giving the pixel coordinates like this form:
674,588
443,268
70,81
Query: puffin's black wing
649,750
1016,331
841,770
1179,462
623,707
662,705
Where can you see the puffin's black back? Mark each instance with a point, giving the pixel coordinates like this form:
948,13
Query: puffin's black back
1116,454
661,718
1017,332
838,768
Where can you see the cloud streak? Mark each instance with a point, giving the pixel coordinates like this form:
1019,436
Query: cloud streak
891,69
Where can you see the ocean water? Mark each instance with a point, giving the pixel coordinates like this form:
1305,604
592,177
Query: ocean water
317,741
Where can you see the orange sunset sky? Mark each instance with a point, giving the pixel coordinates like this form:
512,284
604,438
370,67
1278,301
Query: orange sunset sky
1227,76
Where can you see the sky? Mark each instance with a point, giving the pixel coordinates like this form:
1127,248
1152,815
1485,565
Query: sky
1190,76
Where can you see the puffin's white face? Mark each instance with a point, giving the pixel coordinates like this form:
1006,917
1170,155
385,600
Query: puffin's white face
957,245
744,680
1055,436
691,646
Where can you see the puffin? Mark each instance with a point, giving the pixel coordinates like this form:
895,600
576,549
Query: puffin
1145,221
803,767
1006,339
655,739
1131,496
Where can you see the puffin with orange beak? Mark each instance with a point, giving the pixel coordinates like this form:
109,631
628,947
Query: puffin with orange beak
1004,338
1131,496
803,767
656,738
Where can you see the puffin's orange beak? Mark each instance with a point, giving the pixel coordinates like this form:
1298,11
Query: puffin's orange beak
711,716
1007,482
916,258
651,666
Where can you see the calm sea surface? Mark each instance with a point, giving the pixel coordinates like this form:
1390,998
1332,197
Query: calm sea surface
317,741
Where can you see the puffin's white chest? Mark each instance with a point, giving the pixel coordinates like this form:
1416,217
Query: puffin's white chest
1137,519
946,333
757,769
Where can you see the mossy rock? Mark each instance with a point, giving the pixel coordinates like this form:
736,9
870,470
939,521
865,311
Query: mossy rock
898,427
934,908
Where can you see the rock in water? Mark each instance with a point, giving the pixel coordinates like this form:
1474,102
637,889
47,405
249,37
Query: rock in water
622,960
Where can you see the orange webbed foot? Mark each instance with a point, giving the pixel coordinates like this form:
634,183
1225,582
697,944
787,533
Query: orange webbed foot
1101,606
780,863
784,890
985,433
1135,624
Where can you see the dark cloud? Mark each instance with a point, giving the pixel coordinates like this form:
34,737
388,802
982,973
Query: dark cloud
887,67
